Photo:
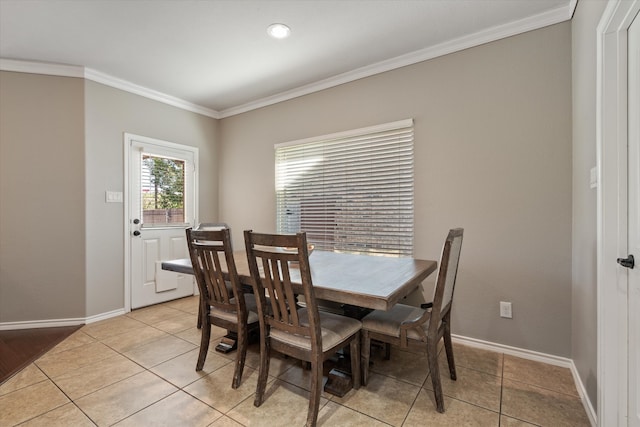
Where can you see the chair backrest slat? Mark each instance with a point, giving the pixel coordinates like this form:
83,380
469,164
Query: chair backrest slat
213,266
275,253
207,254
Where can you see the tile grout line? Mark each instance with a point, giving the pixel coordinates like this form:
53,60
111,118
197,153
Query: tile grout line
144,369
415,399
64,393
223,414
276,378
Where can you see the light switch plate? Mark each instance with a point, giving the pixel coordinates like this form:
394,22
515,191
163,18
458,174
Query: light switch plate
113,196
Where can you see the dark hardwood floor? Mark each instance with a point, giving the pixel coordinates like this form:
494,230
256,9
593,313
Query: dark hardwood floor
20,347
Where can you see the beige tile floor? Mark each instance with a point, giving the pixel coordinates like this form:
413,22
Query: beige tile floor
139,369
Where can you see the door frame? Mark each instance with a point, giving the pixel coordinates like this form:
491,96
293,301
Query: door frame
128,138
612,205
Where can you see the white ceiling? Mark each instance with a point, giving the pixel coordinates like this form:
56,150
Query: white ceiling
216,54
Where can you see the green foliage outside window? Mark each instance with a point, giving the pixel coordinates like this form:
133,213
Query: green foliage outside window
166,178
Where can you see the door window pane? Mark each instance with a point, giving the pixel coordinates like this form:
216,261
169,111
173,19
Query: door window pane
162,190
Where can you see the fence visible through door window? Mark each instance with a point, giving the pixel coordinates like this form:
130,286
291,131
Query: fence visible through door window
351,191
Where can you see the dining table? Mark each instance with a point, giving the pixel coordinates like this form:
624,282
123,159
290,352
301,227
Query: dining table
367,281
357,283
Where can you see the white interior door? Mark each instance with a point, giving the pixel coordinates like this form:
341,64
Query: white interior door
162,203
618,215
633,293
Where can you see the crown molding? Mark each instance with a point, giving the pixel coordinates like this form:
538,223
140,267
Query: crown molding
33,67
63,70
545,19
535,22
126,86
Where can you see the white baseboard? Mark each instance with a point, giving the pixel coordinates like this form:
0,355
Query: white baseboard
54,323
31,324
514,351
539,357
103,316
588,407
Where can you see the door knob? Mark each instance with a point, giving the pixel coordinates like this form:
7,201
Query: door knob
628,262
136,233
136,221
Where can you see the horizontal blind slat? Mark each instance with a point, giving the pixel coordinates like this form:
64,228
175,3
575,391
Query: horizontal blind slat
349,193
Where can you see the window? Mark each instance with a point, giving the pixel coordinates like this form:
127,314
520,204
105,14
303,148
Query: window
162,190
350,191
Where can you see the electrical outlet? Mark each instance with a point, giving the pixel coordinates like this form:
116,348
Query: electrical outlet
505,310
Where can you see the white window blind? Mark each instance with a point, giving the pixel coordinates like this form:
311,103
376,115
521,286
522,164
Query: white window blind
351,191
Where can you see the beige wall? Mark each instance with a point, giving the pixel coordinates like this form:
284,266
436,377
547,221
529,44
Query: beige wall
493,155
109,114
584,292
62,147
42,222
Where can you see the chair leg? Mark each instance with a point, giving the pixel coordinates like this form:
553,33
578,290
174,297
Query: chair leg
241,355
316,391
204,343
387,351
365,351
448,347
356,372
199,322
432,356
263,373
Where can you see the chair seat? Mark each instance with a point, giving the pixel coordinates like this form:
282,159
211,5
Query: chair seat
232,316
388,322
391,326
334,328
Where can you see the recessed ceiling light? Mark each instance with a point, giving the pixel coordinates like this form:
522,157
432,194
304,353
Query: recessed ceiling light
278,31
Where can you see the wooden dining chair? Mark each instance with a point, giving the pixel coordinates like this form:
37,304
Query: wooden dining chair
207,226
279,266
224,304
420,328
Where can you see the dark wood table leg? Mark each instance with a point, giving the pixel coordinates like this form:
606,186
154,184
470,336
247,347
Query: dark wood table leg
340,379
228,343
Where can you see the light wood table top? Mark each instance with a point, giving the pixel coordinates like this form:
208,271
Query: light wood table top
373,282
